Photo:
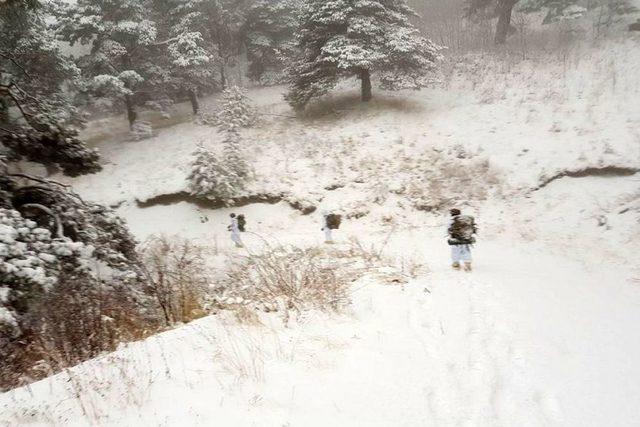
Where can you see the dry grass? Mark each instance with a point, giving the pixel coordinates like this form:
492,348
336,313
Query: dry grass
287,278
178,277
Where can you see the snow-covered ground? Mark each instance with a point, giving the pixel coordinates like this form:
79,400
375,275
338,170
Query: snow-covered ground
543,332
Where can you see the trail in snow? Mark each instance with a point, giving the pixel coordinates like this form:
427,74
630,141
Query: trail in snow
454,354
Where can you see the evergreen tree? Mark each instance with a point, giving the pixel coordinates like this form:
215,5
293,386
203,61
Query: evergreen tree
49,236
235,109
189,59
219,23
37,117
233,158
489,9
121,60
213,177
342,38
269,38
557,10
224,177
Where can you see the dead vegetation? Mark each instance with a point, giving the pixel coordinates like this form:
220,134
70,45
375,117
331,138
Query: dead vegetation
177,276
287,278
294,280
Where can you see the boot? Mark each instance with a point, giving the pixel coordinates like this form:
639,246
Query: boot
467,266
456,266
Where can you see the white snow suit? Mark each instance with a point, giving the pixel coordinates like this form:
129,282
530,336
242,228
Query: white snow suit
327,231
235,232
459,253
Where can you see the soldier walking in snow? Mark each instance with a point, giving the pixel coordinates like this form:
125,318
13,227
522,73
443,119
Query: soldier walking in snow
461,231
331,222
236,226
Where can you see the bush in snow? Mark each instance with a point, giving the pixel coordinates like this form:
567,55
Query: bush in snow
286,278
178,277
63,264
141,130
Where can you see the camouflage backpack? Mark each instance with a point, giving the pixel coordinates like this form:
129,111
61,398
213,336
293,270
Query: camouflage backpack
242,223
333,221
462,230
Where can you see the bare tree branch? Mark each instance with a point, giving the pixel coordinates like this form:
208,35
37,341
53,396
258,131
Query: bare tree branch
56,218
10,58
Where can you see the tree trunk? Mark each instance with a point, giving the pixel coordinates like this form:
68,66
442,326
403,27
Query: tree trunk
4,111
223,77
365,78
193,98
504,10
131,112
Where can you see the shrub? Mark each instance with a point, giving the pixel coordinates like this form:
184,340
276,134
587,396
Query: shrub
178,277
286,278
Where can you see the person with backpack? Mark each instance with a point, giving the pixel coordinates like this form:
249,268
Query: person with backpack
331,222
237,225
461,231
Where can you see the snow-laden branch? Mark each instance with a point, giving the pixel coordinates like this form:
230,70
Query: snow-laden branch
48,211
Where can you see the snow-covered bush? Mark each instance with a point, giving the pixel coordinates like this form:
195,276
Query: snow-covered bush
141,130
286,278
63,264
59,303
31,260
178,277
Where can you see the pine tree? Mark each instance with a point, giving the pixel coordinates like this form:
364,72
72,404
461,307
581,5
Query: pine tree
123,53
232,154
557,10
37,116
235,109
489,9
189,58
218,22
224,177
269,30
211,177
342,38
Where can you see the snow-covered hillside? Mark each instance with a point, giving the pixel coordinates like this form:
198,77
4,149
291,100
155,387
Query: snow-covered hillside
545,153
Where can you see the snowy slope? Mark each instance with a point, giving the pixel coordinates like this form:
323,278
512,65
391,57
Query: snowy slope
543,332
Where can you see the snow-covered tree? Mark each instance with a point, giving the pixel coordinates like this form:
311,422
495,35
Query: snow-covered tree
218,23
123,44
235,109
556,10
341,38
49,237
221,177
37,116
269,32
188,58
233,157
490,9
211,177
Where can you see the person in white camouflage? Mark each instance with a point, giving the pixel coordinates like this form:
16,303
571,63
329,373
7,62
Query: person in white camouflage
235,231
461,231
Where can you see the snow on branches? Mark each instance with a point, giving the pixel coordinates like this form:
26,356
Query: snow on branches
342,38
223,177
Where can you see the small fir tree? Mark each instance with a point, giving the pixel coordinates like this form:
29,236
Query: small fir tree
211,178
